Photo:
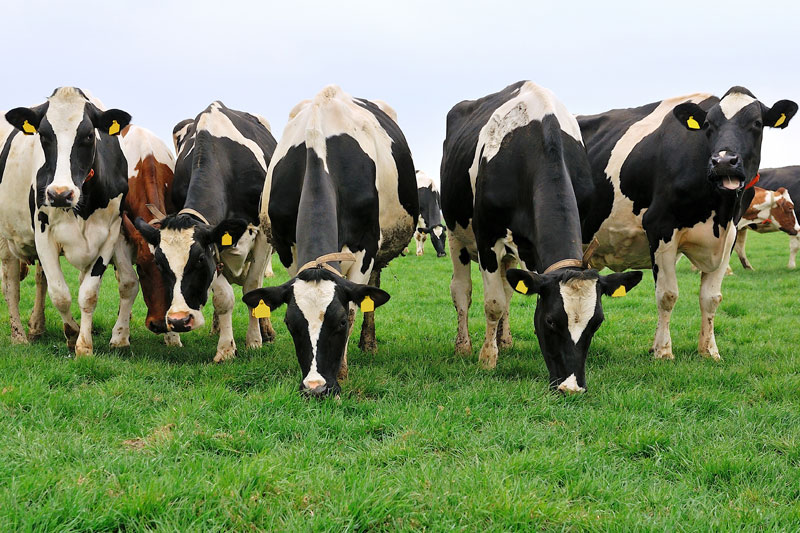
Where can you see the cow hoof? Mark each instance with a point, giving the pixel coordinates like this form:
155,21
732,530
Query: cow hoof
791,266
34,334
253,344
505,344
663,353
225,355
82,350
714,355
488,358
120,343
173,339
17,337
463,348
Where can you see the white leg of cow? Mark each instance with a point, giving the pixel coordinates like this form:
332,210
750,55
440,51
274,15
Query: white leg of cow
11,271
36,323
420,238
461,292
57,288
128,285
794,246
710,298
223,306
494,306
504,339
741,238
268,272
262,255
666,296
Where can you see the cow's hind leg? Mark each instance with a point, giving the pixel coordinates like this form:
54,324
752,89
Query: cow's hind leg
11,272
368,342
223,306
710,298
461,292
665,258
794,246
741,239
36,323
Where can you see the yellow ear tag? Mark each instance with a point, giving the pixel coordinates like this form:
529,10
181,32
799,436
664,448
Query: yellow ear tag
226,240
113,129
367,305
781,120
261,310
521,287
619,292
692,123
27,128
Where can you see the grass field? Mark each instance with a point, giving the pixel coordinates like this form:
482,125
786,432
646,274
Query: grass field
154,438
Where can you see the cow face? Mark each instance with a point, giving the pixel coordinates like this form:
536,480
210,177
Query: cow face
67,125
734,128
153,291
568,314
320,306
783,213
185,252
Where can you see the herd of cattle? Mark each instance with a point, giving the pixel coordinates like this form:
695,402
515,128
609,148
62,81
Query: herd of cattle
523,183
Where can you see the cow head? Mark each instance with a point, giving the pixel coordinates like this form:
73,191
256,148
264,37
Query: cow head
734,128
438,238
783,213
67,125
185,251
318,315
150,278
568,314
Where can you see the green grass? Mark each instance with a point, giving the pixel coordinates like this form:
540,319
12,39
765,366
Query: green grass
154,438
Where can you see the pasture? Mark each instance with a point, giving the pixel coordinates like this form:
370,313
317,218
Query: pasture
159,438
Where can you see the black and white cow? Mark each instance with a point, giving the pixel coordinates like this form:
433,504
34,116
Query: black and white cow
788,178
430,216
341,181
223,156
669,179
64,178
507,170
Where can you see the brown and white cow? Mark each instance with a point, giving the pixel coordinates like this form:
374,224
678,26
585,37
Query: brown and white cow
769,211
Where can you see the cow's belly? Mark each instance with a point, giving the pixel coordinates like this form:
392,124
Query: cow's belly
699,244
622,242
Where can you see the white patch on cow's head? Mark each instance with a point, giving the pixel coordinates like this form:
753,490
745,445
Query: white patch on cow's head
580,298
176,245
734,102
65,112
313,299
438,231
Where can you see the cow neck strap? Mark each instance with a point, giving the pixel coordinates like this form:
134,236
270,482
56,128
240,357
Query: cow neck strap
580,263
753,182
322,262
198,214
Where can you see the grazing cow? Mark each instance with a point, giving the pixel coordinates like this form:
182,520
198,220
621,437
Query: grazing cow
788,178
507,170
340,202
430,216
669,179
768,211
211,242
70,168
150,172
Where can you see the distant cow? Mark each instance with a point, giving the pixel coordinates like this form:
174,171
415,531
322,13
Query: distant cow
341,182
789,178
223,156
507,170
669,179
769,211
430,216
63,183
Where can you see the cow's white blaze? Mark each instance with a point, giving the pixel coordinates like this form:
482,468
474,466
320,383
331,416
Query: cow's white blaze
313,299
733,103
65,113
579,297
438,231
176,245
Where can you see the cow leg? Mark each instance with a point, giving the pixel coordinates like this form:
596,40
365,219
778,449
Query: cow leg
223,306
420,238
665,259
214,324
741,237
494,306
794,246
258,330
710,298
461,293
368,343
268,272
11,272
128,285
36,323
57,288
504,339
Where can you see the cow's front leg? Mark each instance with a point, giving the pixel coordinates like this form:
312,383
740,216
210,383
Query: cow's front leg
11,272
461,293
665,258
794,246
710,298
262,253
57,287
36,323
741,239
367,343
420,238
223,307
494,306
504,339
87,301
128,285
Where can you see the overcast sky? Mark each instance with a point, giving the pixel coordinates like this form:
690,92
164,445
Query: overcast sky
163,61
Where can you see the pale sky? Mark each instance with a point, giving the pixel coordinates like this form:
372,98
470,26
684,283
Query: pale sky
163,61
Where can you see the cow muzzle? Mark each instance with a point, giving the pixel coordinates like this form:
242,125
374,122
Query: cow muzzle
726,171
61,197
156,326
180,322
319,389
570,385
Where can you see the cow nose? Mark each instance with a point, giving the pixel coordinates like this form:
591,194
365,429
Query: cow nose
60,196
179,322
725,159
315,389
156,326
440,254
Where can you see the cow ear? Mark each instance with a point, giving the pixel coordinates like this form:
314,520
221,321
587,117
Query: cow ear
151,235
524,282
112,121
228,232
691,116
367,296
780,114
267,299
619,284
25,119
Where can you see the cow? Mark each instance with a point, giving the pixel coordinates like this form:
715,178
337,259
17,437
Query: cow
430,216
507,170
64,179
669,179
211,242
768,211
340,202
151,166
788,178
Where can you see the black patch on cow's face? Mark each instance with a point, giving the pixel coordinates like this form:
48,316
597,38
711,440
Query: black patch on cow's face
44,220
98,268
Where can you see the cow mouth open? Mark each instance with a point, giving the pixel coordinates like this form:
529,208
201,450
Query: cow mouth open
728,182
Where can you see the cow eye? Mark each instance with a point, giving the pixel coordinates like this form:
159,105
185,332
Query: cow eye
550,322
758,124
